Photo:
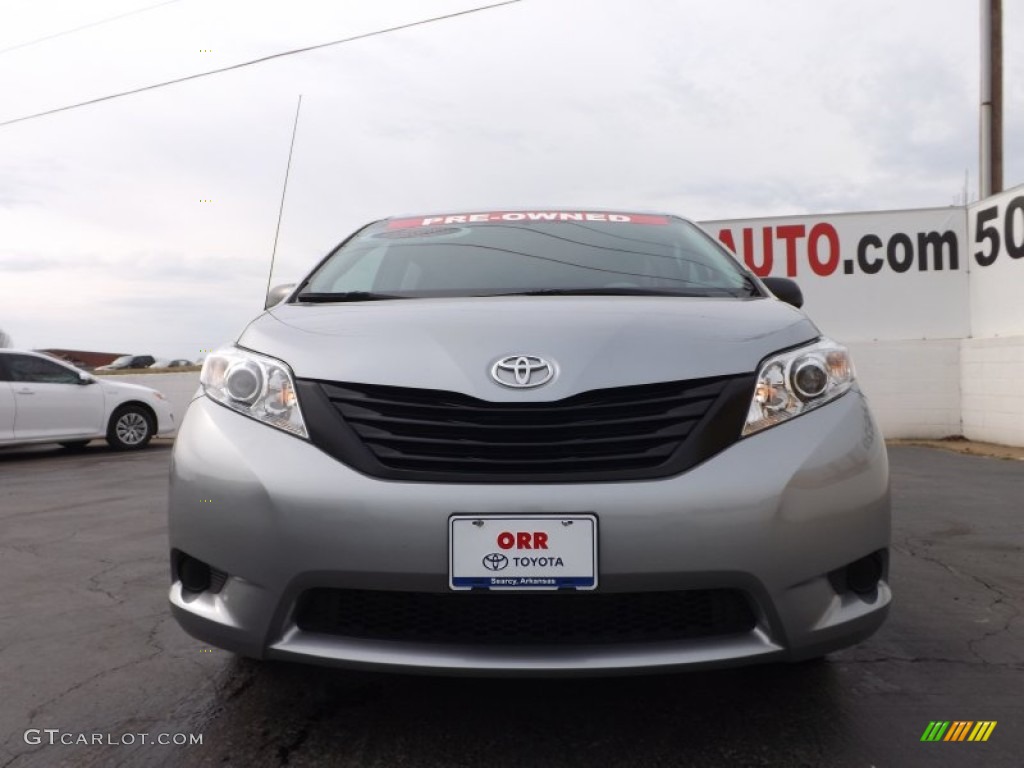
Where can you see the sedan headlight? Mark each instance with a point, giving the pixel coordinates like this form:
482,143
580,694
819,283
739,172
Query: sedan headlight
256,386
794,382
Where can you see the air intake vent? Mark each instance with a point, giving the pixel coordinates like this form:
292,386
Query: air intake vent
592,618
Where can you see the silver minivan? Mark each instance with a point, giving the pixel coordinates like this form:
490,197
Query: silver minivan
537,441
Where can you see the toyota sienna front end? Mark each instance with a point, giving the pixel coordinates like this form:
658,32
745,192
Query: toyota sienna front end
530,442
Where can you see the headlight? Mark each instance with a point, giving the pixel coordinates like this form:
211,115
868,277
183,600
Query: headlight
257,386
794,382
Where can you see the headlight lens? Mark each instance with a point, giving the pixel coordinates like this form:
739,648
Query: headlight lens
794,382
257,386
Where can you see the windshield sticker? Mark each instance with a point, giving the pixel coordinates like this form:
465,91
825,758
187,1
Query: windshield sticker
513,216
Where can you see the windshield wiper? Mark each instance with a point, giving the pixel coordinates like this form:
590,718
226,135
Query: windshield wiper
606,292
750,287
327,296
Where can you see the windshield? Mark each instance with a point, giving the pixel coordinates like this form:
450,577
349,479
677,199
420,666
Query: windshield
533,252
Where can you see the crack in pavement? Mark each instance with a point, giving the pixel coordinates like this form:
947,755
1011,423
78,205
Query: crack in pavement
1002,598
92,584
82,683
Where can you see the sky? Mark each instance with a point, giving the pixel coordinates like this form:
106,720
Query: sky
146,224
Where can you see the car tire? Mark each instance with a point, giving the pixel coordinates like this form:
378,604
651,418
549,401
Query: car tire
130,428
74,445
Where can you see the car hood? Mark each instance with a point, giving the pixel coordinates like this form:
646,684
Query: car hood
594,342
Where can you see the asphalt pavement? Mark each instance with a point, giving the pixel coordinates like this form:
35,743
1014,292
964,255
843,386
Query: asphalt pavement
89,654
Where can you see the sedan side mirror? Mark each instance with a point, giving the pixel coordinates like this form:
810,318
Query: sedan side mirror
278,294
85,378
785,290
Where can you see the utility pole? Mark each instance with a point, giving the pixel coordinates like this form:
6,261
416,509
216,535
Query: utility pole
991,117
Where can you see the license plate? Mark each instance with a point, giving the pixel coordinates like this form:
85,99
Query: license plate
522,553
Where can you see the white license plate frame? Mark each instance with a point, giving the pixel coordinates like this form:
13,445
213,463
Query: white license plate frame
560,552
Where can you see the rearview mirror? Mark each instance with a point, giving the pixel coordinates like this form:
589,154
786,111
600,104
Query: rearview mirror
278,294
85,378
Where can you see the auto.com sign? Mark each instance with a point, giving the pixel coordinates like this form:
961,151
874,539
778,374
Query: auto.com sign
918,274
919,241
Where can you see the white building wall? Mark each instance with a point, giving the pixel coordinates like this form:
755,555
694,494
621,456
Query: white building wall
992,358
991,377
996,233
913,386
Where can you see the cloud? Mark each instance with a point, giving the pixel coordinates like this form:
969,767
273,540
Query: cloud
26,263
708,110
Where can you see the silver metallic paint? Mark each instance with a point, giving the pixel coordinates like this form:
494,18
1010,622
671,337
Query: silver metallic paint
451,344
771,515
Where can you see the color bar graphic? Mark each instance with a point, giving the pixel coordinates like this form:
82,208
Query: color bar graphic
958,730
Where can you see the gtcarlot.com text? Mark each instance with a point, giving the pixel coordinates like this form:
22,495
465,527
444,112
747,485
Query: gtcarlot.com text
55,737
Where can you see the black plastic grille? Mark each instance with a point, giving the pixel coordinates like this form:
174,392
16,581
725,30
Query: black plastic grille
433,434
560,618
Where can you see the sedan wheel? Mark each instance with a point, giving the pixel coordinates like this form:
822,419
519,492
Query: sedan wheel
131,428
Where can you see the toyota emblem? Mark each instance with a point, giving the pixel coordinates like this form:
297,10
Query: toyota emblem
522,371
495,561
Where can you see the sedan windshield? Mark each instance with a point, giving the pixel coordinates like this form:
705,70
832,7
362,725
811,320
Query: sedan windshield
527,252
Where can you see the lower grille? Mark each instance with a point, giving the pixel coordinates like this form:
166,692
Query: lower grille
495,618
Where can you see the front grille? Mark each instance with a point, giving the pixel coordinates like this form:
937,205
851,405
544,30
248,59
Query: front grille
605,434
495,618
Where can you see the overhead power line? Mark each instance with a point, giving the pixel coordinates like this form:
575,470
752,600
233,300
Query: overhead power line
84,26
258,61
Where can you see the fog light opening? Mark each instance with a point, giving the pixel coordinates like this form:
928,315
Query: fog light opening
194,574
862,576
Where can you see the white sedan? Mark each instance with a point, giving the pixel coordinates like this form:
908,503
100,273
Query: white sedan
44,400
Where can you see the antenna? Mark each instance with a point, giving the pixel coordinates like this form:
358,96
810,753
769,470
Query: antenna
284,190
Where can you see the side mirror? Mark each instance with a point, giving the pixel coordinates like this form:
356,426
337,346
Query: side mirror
85,378
785,290
278,294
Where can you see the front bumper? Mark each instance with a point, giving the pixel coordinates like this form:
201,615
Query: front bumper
773,515
165,423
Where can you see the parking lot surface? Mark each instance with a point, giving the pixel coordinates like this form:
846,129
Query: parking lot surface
89,653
